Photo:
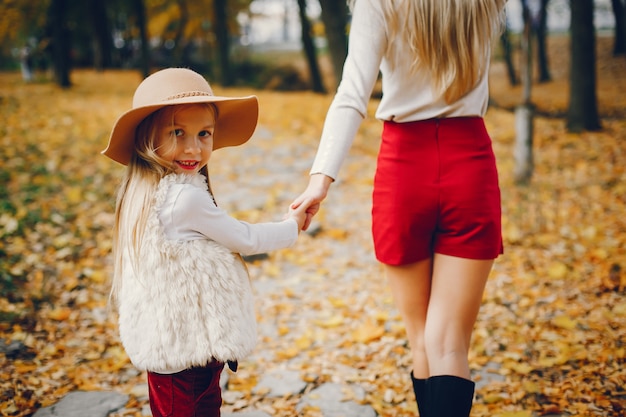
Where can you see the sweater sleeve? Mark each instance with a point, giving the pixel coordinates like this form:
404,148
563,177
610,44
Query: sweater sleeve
190,213
366,47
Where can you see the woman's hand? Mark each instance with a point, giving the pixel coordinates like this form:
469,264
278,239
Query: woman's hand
311,198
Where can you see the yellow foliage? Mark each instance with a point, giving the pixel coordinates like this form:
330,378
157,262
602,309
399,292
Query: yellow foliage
368,332
60,314
516,414
552,312
557,270
564,322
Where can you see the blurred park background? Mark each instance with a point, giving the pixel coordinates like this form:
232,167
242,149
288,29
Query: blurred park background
238,41
552,331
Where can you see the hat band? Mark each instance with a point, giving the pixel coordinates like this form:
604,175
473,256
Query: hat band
189,94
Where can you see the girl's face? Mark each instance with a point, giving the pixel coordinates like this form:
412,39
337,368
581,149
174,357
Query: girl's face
186,140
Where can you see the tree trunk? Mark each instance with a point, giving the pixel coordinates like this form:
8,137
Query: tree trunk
582,113
103,43
526,56
309,50
542,48
524,113
523,150
334,16
139,9
507,51
179,38
61,42
619,11
223,42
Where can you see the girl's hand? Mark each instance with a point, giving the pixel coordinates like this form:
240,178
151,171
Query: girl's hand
311,198
299,215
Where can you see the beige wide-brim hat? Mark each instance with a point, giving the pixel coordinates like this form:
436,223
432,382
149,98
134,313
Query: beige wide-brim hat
236,120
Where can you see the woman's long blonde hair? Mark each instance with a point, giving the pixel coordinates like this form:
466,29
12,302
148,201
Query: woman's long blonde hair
450,39
136,192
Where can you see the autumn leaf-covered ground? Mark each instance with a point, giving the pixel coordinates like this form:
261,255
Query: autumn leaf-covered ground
553,322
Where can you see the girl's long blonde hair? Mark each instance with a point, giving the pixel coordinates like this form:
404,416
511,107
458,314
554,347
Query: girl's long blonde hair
450,39
136,192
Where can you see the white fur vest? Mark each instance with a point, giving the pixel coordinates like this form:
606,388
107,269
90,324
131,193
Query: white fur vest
186,302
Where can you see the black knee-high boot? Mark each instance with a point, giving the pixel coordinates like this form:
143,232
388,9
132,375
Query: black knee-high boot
449,396
419,388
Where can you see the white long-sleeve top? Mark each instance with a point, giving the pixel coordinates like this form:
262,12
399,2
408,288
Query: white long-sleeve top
189,213
187,299
407,95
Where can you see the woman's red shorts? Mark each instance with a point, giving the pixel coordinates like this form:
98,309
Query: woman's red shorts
436,191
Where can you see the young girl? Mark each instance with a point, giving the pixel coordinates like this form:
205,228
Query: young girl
182,290
436,200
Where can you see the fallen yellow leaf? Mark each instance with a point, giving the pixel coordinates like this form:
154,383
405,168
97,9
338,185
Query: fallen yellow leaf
564,322
334,321
557,270
59,313
368,332
515,414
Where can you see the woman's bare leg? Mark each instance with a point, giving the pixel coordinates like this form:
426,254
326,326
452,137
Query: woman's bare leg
410,287
455,297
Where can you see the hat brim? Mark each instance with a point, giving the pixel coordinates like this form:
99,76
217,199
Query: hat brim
236,122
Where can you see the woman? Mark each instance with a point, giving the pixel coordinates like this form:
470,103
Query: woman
436,200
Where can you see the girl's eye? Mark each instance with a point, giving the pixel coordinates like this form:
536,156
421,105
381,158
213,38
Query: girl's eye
205,133
178,132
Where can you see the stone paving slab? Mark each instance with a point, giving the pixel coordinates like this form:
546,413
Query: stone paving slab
334,400
279,384
85,404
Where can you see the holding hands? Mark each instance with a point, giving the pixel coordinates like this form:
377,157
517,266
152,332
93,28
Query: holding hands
299,215
309,201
